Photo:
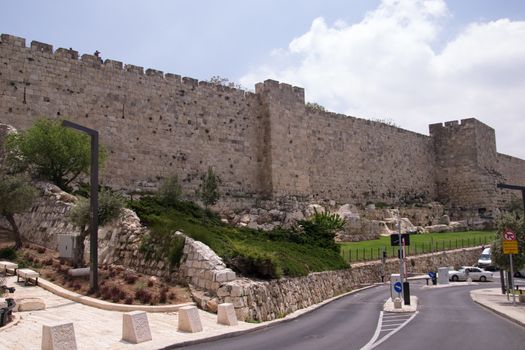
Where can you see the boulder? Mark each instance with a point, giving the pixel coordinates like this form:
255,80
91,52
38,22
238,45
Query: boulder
438,228
29,304
312,209
444,220
348,212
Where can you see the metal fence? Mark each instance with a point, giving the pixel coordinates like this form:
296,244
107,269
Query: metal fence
415,248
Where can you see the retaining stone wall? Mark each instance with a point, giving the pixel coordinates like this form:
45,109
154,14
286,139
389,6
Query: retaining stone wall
268,300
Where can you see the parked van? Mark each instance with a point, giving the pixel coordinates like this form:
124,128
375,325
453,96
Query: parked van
485,260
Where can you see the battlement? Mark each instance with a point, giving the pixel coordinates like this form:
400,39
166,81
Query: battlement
44,49
270,85
455,125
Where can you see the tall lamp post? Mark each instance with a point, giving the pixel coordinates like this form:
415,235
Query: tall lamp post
93,238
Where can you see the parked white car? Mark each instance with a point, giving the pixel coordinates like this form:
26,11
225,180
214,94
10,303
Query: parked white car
465,272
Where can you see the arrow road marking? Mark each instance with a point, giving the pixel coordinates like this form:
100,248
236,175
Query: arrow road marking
385,329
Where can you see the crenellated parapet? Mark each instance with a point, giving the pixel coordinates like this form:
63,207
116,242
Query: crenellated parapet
110,65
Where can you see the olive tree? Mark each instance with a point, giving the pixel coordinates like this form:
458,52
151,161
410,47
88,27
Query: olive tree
50,151
110,205
16,196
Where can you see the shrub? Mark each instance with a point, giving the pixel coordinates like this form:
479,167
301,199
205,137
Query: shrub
130,277
209,189
170,191
8,253
128,300
41,250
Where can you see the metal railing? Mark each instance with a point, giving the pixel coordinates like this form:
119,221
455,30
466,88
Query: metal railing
375,253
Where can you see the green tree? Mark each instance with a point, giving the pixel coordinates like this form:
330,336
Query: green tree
209,189
110,205
515,224
50,151
170,191
16,196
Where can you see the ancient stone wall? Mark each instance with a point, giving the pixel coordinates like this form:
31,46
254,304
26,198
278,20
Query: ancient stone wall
361,161
512,172
152,124
466,171
264,146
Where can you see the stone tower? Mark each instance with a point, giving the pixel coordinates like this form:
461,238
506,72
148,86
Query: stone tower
466,163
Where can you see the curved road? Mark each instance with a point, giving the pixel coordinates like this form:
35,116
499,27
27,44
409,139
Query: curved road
447,319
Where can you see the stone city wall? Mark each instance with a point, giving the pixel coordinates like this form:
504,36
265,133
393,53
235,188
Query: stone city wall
361,161
263,145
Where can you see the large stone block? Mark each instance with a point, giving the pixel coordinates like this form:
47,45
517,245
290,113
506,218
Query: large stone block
135,327
30,304
226,314
59,336
189,320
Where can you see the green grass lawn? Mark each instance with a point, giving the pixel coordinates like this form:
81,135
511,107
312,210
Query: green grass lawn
419,244
251,252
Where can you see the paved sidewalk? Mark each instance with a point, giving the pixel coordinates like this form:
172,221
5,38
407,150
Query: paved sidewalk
96,328
492,299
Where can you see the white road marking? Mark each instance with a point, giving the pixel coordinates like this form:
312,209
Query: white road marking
382,327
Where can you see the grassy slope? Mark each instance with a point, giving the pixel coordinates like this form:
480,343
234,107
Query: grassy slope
420,242
250,251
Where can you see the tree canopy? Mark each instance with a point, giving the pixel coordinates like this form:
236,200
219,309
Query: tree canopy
50,151
516,225
16,196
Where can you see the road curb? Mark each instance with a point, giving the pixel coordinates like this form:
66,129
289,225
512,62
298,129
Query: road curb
500,313
105,305
291,317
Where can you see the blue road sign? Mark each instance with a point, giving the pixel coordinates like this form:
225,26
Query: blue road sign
398,287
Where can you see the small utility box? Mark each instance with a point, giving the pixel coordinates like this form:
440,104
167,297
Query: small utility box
67,246
443,275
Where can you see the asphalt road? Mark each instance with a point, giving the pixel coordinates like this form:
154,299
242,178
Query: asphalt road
447,319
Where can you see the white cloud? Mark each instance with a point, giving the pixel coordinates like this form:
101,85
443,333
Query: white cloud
387,66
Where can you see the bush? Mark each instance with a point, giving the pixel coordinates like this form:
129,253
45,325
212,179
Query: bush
170,191
209,189
8,253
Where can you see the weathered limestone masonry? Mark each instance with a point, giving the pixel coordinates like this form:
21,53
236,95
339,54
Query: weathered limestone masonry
202,267
264,145
269,300
468,168
46,219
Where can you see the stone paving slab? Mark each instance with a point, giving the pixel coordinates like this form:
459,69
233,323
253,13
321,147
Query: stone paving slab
96,328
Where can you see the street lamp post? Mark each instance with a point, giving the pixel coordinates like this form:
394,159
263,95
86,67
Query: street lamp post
93,238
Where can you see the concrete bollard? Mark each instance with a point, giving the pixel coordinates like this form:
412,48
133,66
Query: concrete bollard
135,327
226,314
443,275
398,303
59,336
189,320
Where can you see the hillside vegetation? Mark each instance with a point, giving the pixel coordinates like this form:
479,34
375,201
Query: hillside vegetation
293,252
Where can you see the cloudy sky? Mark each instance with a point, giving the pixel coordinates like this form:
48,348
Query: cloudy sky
413,62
